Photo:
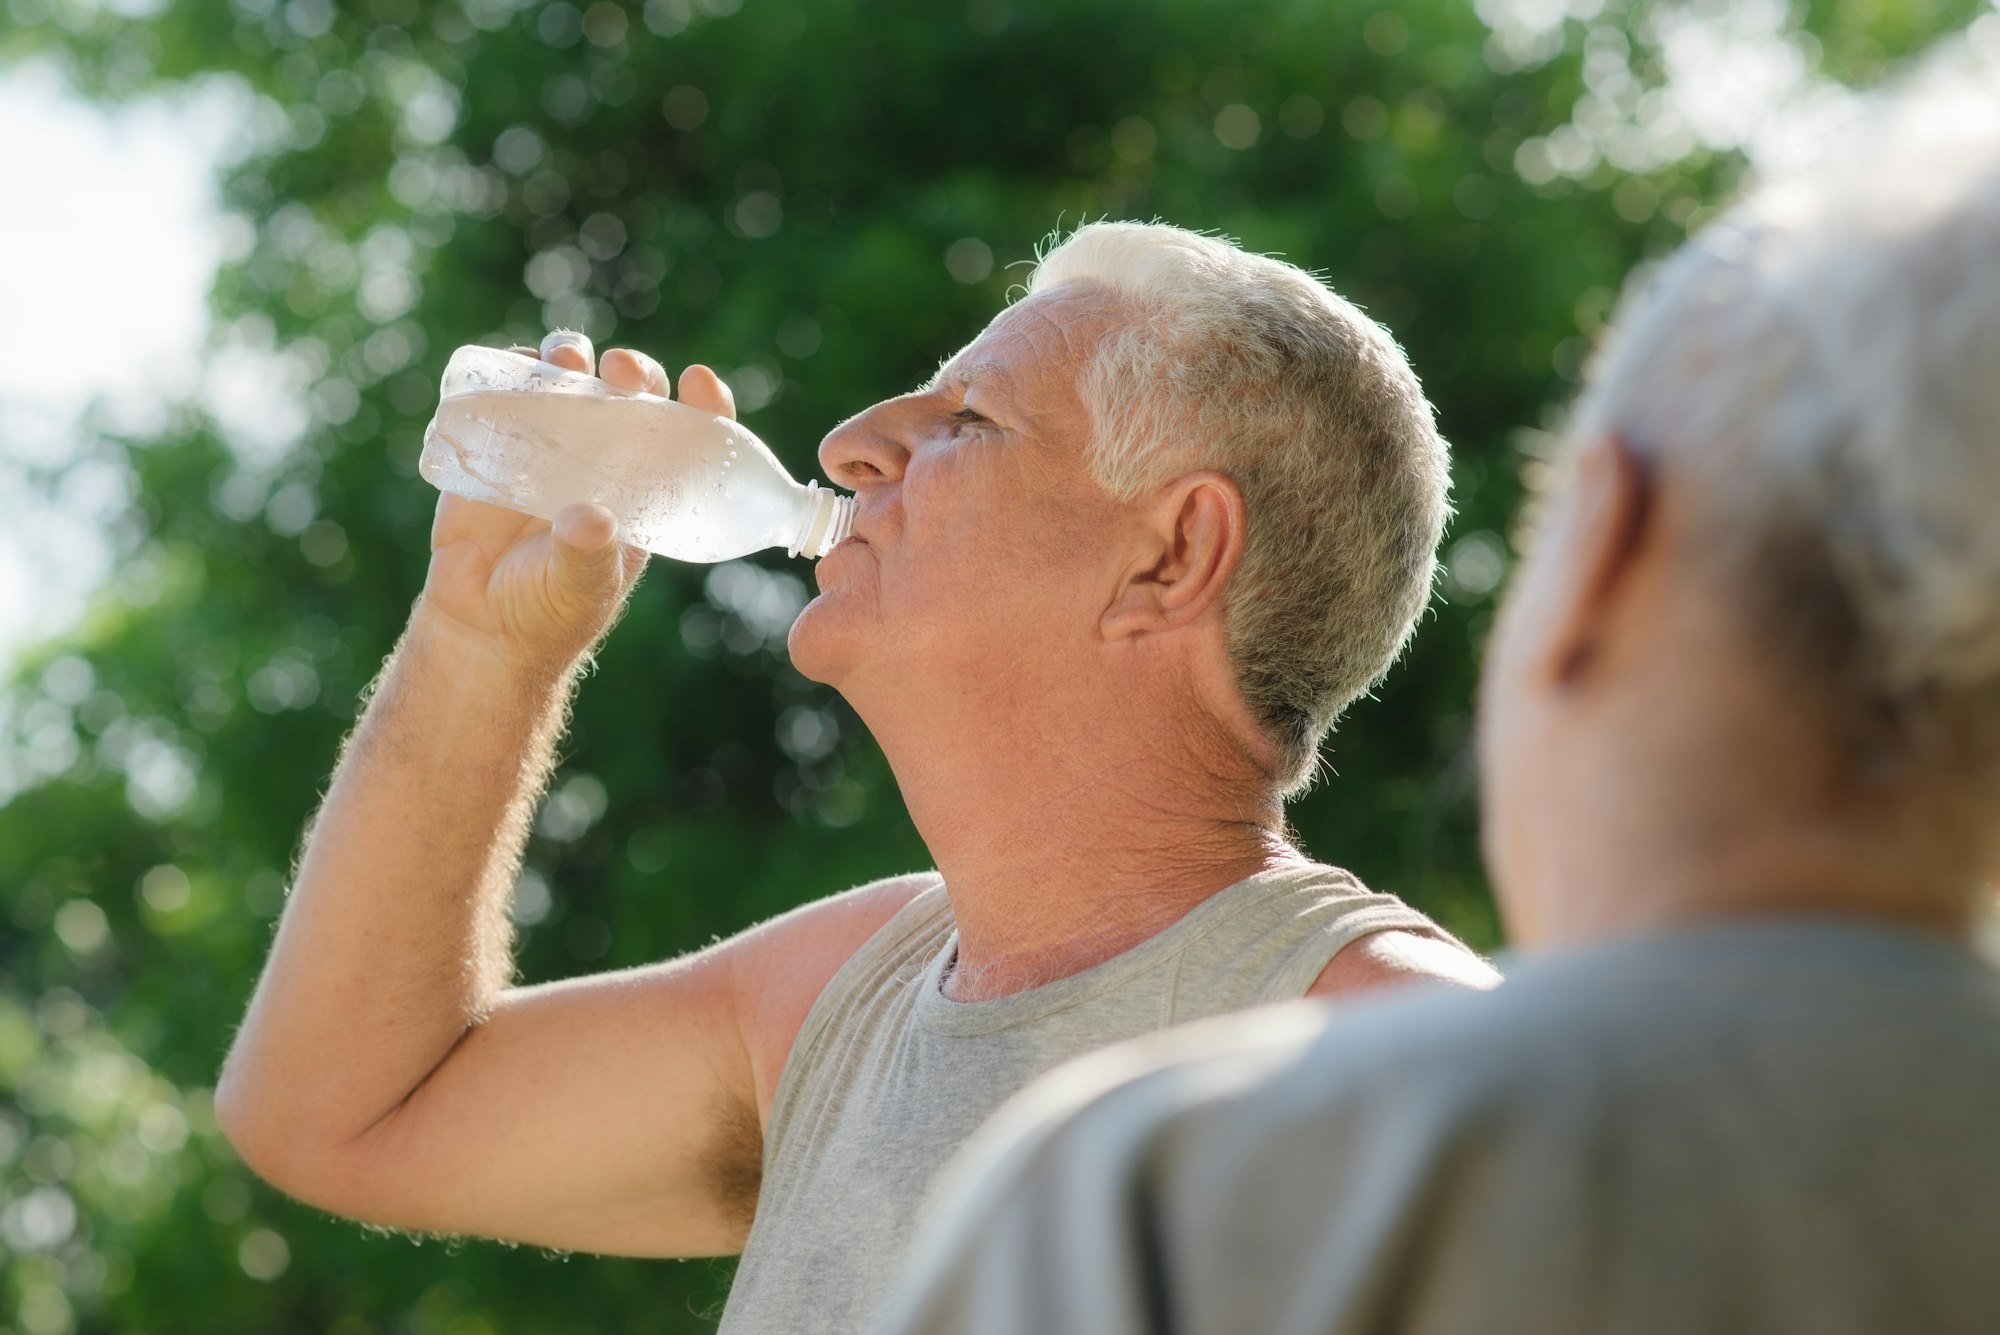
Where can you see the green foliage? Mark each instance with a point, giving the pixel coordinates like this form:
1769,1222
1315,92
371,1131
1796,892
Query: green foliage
823,200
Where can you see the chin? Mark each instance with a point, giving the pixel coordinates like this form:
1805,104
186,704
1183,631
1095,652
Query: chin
820,644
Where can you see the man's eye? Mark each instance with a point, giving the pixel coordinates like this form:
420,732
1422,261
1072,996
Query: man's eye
968,415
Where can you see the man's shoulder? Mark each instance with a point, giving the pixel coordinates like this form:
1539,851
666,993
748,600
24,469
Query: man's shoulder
1299,1149
1299,928
1271,1064
782,966
839,924
1353,1070
868,907
1602,1034
1400,957
805,946
1315,1059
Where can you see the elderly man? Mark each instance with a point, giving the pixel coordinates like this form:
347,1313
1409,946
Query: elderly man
1741,774
1114,572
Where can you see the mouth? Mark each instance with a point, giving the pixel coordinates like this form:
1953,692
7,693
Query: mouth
851,540
845,544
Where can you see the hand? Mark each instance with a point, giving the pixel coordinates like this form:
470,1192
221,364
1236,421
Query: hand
540,594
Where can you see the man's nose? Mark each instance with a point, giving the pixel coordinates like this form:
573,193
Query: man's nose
866,449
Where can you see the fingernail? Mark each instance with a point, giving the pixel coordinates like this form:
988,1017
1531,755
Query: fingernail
565,337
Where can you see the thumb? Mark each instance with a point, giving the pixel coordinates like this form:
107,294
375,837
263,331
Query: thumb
588,564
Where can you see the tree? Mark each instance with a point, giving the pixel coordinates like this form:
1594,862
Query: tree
822,200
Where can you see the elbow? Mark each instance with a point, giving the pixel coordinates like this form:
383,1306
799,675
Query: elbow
293,1151
247,1122
235,1108
271,1142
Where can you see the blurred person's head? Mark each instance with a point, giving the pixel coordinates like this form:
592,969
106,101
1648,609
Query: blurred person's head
1752,662
1179,494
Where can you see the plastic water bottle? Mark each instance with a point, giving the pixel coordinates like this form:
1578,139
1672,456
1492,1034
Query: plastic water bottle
520,433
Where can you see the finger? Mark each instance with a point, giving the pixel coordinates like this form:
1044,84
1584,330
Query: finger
627,369
570,350
588,559
585,526
704,389
522,351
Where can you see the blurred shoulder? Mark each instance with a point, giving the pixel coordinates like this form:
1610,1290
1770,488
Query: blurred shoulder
1230,1084
1297,1054
1183,1128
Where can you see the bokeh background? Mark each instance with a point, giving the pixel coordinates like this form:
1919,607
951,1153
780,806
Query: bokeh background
821,198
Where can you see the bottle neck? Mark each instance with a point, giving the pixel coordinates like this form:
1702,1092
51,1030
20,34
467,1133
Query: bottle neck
826,517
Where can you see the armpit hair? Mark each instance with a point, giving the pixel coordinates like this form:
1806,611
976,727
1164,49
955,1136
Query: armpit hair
733,1163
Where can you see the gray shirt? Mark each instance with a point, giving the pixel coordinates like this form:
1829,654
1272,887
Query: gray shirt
888,1077
1760,1128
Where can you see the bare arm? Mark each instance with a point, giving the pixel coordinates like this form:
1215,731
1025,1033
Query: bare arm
386,1070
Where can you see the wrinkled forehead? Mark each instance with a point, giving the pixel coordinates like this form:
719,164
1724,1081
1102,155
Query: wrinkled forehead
1036,347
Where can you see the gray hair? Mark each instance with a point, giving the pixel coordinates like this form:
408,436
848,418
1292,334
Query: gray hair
1823,365
1253,367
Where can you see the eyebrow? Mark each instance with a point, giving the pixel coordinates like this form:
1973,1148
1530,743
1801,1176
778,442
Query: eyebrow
961,378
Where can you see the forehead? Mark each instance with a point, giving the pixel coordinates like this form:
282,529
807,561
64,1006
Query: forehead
1034,345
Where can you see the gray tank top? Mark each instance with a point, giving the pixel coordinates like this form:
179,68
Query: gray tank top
888,1077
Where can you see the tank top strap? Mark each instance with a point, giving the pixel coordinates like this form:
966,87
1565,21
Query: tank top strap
1285,926
890,962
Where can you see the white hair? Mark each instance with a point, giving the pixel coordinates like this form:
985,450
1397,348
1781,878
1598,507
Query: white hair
1823,363
1253,367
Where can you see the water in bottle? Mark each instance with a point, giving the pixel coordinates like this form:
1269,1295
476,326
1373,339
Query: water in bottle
524,434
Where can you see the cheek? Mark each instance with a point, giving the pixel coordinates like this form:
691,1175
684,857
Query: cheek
970,519
953,491
992,552
988,593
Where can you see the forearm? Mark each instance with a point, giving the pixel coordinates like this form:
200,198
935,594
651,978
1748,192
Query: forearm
395,939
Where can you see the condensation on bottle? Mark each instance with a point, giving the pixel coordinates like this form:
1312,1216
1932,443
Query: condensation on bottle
521,433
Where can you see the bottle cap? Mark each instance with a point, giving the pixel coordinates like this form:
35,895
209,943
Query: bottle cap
829,518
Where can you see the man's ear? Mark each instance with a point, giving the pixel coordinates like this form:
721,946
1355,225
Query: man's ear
1188,540
1600,528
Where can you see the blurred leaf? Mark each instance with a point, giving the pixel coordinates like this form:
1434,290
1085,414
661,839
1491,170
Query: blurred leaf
821,200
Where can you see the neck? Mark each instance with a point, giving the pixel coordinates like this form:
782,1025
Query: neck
1657,865
1062,847
1691,782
